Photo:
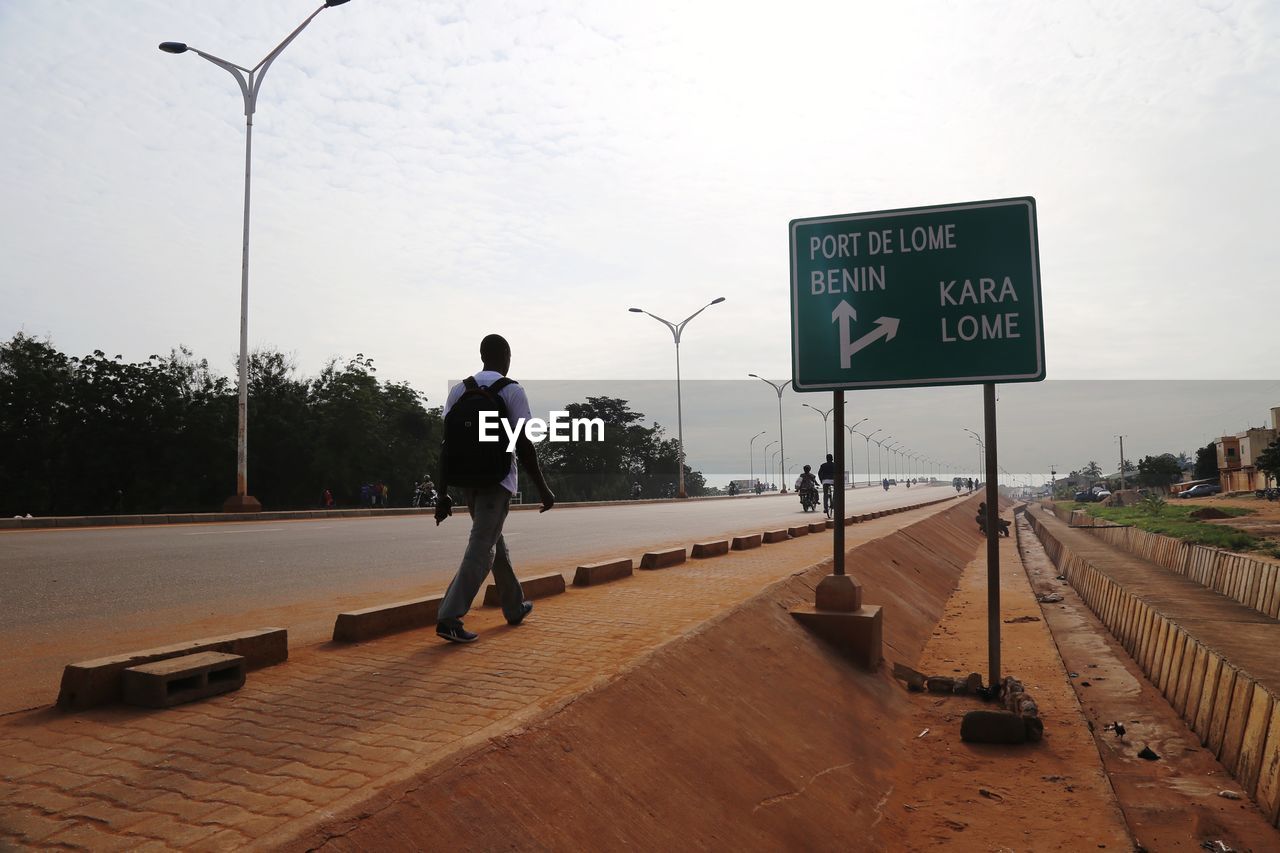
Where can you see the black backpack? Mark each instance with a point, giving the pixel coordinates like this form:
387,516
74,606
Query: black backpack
465,460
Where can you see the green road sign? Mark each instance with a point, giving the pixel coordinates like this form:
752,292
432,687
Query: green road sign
942,295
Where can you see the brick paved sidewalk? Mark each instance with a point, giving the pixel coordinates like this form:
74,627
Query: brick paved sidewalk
307,739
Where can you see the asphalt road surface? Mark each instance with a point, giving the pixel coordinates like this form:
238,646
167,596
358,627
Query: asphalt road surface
79,593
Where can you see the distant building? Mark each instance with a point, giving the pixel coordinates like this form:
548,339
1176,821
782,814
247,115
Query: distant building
1238,456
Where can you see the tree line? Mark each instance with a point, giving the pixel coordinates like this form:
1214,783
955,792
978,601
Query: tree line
1162,470
96,434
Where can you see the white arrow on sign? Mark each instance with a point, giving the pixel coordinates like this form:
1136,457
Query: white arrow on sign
846,315
886,327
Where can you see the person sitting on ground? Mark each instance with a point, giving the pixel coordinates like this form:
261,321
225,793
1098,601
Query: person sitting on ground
981,518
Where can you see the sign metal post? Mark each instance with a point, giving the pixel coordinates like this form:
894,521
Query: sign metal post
917,297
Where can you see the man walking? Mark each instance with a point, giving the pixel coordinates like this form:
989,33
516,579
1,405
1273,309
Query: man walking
488,503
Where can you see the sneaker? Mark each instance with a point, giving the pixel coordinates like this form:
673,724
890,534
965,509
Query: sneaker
525,609
455,633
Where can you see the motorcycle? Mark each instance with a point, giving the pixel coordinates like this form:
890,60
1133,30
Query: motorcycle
424,496
809,499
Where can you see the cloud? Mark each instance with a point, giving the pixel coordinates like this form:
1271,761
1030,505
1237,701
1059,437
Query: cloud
426,172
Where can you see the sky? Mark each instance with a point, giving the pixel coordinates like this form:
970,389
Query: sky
425,173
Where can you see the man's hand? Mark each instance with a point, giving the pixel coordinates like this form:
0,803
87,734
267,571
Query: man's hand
444,508
548,500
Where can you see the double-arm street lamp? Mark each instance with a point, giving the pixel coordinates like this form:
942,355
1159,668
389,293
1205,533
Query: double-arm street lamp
981,450
891,462
880,442
853,481
826,447
250,81
867,438
779,387
764,459
751,459
676,330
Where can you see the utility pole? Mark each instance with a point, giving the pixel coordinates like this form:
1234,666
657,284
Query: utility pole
1121,437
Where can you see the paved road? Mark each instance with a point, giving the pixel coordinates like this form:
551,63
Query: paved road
73,594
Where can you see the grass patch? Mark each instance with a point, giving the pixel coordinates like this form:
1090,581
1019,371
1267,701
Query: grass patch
1175,520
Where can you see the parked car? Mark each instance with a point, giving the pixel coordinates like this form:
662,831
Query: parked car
1201,490
1084,497
1101,495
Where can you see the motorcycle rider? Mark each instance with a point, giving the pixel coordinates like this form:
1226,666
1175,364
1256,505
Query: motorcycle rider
807,483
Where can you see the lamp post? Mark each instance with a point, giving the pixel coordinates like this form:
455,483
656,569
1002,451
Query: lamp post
1121,437
778,387
891,462
776,460
676,330
880,443
826,448
764,458
867,437
981,447
250,81
853,481
751,459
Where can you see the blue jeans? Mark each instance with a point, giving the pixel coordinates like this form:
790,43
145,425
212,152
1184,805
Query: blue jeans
486,551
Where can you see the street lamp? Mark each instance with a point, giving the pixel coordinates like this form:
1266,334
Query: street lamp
779,387
853,480
826,448
250,81
892,463
751,459
764,458
981,449
867,437
776,460
879,447
1121,437
676,329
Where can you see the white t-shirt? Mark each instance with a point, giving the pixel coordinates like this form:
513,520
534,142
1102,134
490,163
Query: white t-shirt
517,407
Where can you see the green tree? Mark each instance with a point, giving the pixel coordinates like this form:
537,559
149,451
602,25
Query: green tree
1092,471
1159,472
1269,460
631,454
1206,462
100,435
35,393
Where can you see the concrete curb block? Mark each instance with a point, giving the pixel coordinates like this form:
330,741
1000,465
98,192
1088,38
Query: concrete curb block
174,681
538,586
745,543
802,530
91,683
598,573
771,536
817,526
356,626
662,559
718,548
